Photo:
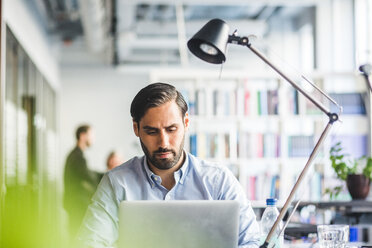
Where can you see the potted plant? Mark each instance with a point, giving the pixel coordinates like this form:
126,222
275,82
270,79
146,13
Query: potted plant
356,172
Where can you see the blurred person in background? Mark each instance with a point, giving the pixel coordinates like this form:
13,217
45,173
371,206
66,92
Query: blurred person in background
79,181
114,159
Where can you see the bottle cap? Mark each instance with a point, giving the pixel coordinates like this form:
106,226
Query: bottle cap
353,234
271,201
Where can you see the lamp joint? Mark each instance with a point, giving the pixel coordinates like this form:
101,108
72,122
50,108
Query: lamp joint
333,117
265,245
234,39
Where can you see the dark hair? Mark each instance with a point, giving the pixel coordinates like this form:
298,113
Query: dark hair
155,95
81,129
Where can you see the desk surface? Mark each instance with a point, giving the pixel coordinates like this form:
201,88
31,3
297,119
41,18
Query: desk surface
356,206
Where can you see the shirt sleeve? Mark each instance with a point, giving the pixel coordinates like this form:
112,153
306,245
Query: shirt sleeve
100,225
230,189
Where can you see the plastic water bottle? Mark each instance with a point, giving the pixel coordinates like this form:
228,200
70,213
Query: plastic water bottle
268,219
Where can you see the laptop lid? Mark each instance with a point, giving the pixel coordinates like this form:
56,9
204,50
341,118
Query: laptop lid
181,224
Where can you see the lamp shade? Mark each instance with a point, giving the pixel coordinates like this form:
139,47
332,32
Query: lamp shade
209,44
365,69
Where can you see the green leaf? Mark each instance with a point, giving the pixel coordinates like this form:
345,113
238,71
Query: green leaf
367,171
344,165
333,193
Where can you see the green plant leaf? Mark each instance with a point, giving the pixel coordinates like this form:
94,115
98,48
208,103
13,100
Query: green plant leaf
367,171
344,165
333,192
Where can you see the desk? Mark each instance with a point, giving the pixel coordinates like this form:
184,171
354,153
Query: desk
346,207
346,212
356,213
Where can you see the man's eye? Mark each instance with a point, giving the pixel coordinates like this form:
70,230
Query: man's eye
172,129
151,132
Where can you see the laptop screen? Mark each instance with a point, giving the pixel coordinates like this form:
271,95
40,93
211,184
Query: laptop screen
181,224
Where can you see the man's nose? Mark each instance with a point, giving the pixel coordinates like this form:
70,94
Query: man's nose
163,139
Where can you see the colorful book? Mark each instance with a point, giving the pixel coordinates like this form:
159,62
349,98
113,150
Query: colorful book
352,103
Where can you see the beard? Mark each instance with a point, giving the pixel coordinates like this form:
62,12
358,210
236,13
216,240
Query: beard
164,163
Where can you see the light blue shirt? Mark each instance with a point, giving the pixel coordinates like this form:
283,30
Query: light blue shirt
195,180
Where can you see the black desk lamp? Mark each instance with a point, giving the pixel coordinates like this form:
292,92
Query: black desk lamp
209,44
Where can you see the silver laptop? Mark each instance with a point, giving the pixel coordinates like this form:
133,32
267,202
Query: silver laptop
178,224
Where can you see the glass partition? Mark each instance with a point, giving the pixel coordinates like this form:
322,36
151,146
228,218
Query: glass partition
30,204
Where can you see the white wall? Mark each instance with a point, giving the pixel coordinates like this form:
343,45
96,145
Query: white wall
101,97
22,22
335,36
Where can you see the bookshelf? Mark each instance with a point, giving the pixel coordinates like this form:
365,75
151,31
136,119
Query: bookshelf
260,128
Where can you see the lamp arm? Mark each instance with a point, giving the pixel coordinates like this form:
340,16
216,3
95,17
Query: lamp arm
294,84
244,41
368,82
332,118
297,184
366,71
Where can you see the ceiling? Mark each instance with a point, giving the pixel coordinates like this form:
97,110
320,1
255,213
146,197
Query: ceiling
134,32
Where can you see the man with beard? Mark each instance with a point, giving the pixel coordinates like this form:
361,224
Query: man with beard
166,172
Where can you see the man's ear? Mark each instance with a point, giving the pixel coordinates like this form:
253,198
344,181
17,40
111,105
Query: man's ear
83,136
186,120
136,128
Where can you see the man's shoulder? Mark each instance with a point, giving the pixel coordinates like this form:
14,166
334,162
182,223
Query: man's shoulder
205,166
212,173
75,152
74,156
128,174
129,167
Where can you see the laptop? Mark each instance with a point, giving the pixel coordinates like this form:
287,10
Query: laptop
178,224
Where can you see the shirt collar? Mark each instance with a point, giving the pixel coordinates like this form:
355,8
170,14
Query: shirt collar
184,168
182,171
149,173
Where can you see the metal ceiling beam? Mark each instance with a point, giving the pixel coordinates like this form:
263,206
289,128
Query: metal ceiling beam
224,2
164,36
155,43
94,20
246,27
126,14
168,35
181,35
146,59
